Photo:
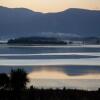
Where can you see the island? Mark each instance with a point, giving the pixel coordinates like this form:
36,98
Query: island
36,40
54,41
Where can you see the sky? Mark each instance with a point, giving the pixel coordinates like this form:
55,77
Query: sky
51,5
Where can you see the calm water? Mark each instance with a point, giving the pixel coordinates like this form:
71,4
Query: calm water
5,49
55,66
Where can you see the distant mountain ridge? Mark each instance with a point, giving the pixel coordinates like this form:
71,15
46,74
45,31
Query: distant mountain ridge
18,22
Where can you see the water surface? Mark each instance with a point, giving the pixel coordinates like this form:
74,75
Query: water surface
55,66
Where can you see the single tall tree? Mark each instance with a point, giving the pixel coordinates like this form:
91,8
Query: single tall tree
18,79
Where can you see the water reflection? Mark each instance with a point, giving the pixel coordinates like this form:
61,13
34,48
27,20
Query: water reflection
59,72
66,72
87,84
71,56
80,77
46,49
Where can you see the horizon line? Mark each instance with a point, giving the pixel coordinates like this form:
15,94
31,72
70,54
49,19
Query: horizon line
50,11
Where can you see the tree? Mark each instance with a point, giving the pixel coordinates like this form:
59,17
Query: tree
18,79
4,81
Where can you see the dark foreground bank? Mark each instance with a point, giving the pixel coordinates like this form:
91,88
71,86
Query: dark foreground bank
49,94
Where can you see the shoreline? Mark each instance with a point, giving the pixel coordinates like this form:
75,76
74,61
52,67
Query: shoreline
49,45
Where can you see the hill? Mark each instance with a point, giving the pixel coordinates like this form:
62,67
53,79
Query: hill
73,22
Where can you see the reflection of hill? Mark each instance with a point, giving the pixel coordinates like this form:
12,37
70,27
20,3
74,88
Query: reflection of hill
69,70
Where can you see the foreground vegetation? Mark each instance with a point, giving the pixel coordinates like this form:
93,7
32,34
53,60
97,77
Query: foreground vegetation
13,87
49,94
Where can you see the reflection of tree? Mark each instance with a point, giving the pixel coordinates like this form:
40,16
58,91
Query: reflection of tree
18,79
4,81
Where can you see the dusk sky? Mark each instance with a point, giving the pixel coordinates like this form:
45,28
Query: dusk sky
51,5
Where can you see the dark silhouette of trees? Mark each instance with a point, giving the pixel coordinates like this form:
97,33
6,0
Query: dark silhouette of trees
4,81
18,79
